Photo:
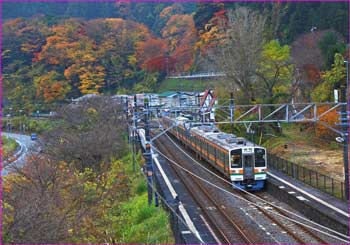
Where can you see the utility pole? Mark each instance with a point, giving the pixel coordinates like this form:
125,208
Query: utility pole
232,115
346,114
347,139
148,155
134,134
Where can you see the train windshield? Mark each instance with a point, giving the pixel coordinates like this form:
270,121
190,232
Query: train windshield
260,157
236,158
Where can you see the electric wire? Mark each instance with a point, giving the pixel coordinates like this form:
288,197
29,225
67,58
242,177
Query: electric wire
266,202
172,210
241,198
168,205
254,196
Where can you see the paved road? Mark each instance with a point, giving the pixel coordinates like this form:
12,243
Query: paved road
25,144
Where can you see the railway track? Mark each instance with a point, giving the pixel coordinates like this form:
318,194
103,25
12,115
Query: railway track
303,235
297,233
226,228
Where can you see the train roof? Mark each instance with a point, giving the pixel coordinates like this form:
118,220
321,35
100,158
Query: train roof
226,141
213,134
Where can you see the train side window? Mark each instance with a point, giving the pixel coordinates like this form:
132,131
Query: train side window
260,157
236,158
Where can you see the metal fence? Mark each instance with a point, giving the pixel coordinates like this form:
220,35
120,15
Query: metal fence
308,176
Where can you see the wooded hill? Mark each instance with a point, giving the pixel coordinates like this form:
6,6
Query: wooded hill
56,51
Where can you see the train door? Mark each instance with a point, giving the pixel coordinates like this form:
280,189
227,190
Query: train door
248,166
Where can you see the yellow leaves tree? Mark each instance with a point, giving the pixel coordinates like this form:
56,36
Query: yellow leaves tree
275,71
213,33
68,44
332,79
91,79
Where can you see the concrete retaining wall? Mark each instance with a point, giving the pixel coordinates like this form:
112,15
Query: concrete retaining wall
319,215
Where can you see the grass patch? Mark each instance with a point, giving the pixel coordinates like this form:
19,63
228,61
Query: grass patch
144,224
135,221
171,84
8,147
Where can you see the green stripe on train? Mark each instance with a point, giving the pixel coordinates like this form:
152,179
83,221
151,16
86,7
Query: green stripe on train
254,174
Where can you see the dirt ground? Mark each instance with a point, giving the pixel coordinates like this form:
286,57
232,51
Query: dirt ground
328,162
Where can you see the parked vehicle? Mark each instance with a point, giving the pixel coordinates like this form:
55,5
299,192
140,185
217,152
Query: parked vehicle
33,136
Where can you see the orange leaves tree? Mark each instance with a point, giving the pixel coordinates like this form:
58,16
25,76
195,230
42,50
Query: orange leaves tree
20,39
93,54
60,58
331,119
150,52
51,86
180,34
213,33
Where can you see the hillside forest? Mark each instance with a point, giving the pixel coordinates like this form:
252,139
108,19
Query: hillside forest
53,52
82,184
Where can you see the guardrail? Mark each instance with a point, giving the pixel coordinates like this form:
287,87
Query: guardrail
198,75
311,177
15,156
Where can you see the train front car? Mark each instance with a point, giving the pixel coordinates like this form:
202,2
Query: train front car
241,161
248,167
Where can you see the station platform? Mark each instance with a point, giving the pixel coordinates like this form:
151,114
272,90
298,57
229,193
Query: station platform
316,205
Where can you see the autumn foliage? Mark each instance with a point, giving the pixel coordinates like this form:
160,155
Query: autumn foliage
331,118
150,54
73,57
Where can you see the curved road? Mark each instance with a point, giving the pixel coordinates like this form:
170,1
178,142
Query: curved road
25,144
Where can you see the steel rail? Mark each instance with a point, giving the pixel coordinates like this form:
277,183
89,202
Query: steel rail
195,194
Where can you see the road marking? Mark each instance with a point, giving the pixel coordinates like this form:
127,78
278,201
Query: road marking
166,179
182,209
281,187
291,192
174,195
189,221
301,198
311,196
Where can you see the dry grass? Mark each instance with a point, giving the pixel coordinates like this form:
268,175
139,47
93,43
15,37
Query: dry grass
309,151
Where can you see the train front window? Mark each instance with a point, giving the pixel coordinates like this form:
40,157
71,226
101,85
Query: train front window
236,158
260,157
